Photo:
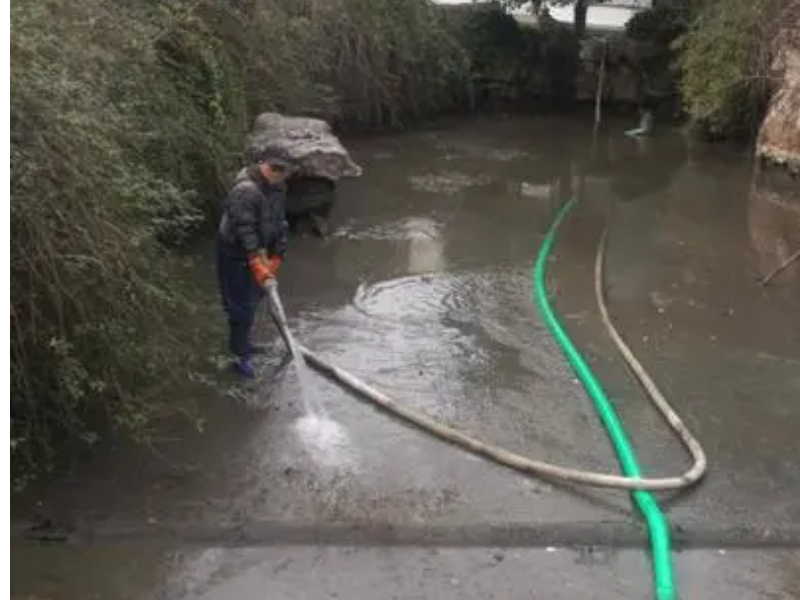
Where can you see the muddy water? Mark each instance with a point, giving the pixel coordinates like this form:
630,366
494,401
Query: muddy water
423,289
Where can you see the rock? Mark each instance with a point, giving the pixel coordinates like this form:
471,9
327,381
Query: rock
321,159
310,142
774,220
309,201
779,136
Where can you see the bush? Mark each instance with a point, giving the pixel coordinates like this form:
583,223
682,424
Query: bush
661,24
91,111
513,63
127,119
724,66
655,30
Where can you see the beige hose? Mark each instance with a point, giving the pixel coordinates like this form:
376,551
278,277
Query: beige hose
522,463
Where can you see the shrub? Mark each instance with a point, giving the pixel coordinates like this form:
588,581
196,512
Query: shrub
127,121
724,67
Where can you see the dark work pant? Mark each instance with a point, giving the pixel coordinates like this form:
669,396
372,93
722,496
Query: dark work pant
240,298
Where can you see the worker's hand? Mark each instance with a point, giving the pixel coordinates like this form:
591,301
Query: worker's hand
274,263
260,267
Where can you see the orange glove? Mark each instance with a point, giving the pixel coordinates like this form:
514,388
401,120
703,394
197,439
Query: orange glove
274,263
260,267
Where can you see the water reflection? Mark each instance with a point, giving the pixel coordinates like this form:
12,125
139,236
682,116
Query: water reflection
642,166
773,220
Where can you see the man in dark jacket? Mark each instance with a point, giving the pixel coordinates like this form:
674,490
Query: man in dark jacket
251,244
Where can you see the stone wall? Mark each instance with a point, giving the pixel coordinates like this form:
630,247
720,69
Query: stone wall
774,220
779,137
634,70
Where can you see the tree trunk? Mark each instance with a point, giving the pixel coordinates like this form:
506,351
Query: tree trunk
581,8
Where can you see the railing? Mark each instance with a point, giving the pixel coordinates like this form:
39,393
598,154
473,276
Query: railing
629,3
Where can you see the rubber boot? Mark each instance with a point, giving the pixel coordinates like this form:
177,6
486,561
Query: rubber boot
243,365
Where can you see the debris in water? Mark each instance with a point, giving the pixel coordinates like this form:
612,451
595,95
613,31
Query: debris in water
532,190
506,154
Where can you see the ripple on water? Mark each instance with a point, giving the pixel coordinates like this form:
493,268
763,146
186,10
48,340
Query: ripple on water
447,182
411,228
458,297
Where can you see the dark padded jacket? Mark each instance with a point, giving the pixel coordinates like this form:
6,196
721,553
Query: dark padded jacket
254,216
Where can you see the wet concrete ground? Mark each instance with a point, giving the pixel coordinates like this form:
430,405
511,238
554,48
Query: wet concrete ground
297,489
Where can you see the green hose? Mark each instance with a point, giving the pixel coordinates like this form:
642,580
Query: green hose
645,501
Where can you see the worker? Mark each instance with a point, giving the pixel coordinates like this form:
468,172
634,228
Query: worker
251,244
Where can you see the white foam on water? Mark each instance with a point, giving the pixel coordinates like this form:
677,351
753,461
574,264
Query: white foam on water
326,441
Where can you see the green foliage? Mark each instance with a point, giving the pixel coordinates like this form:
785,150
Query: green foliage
388,61
656,30
661,24
127,121
513,63
88,205
494,40
723,65
560,63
